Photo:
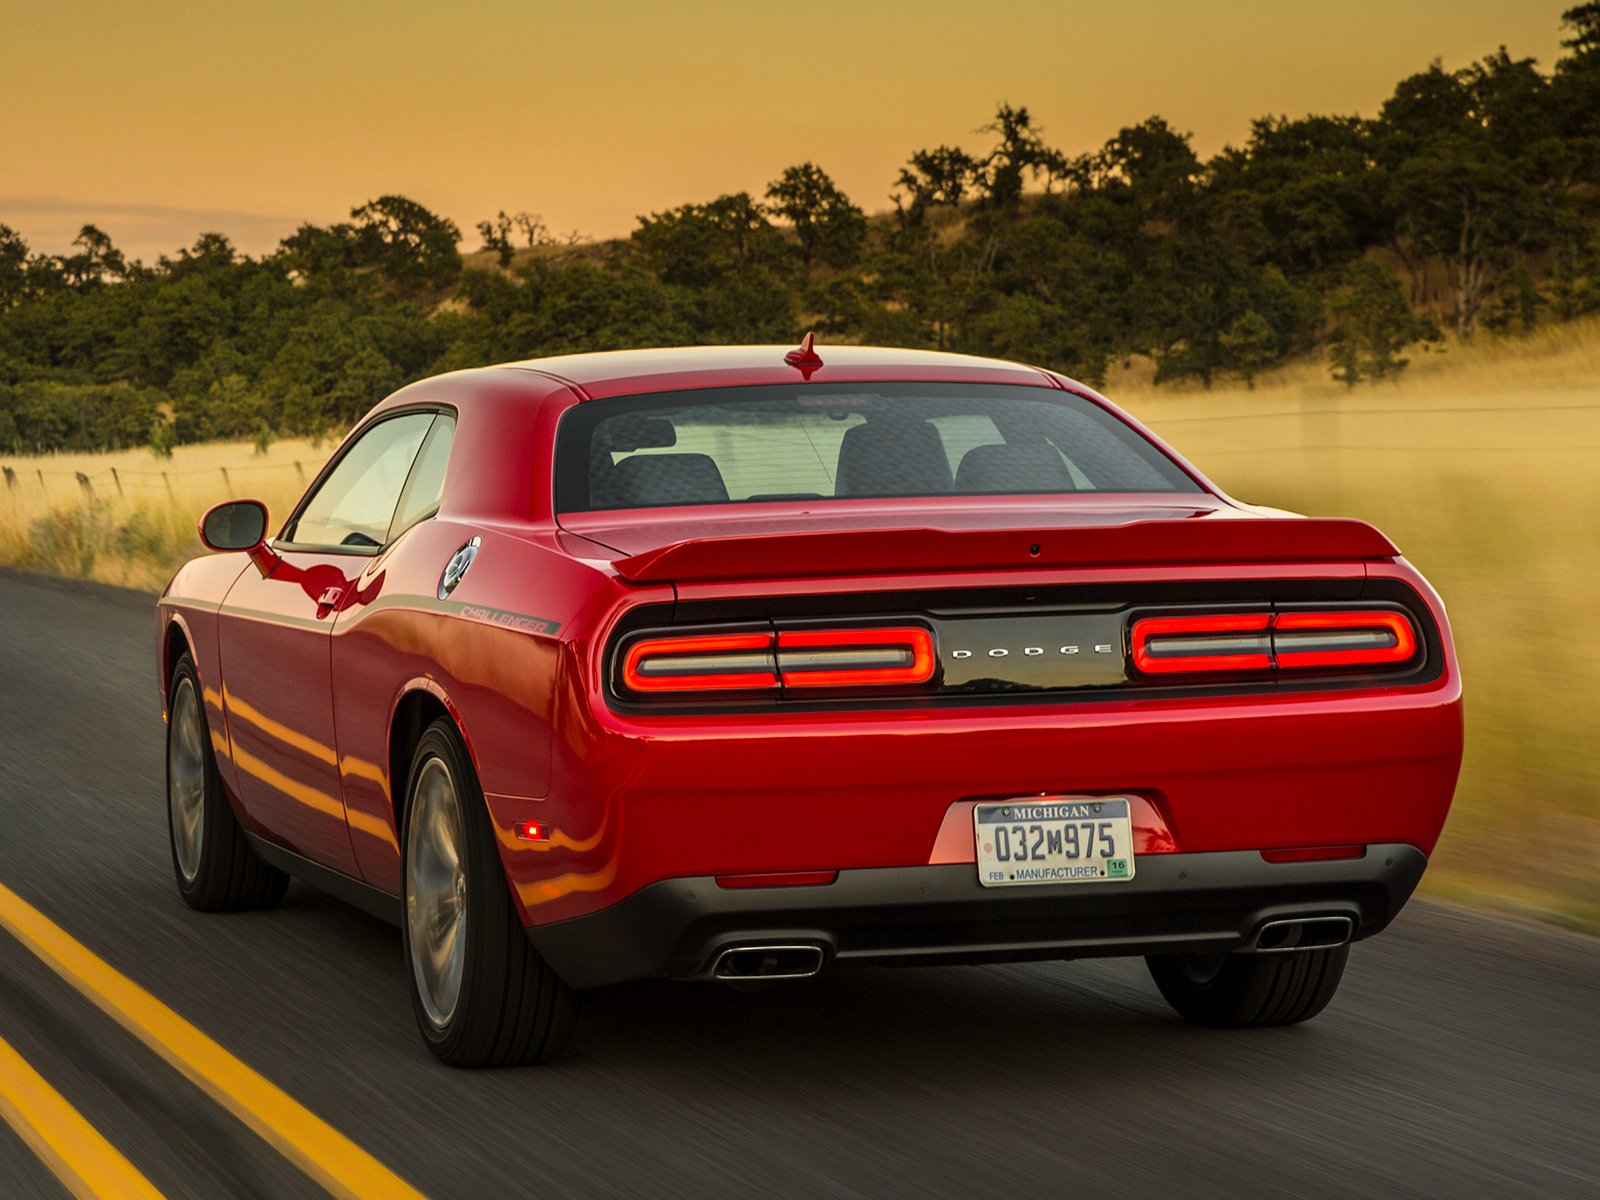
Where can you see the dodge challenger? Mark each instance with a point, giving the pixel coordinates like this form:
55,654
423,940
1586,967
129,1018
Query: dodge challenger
747,663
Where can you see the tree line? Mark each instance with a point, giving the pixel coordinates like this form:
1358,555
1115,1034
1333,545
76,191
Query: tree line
1471,201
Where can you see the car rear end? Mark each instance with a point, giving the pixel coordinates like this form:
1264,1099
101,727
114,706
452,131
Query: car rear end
1034,716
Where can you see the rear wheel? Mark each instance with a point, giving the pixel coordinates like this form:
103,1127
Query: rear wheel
482,995
216,867
1233,991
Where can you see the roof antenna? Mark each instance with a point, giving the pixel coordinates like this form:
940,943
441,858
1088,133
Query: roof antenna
804,357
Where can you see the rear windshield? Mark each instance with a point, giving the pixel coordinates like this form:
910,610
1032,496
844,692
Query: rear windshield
839,441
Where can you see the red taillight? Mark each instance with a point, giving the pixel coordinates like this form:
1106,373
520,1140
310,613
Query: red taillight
1222,642
718,662
855,657
1288,641
533,831
799,658
1348,639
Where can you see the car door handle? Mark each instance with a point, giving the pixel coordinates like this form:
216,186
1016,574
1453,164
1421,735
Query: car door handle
329,600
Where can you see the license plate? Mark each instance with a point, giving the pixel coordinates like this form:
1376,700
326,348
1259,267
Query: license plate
1056,841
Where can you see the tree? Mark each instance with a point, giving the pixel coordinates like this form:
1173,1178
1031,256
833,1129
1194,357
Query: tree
941,176
1583,21
97,262
496,235
533,229
830,228
1372,323
412,248
1300,194
13,267
1019,154
1573,286
1157,166
697,244
327,373
1458,196
546,307
1251,345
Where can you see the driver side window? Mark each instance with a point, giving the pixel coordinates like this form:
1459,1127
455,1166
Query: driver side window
355,504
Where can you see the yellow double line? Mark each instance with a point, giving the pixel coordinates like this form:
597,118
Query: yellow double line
89,1166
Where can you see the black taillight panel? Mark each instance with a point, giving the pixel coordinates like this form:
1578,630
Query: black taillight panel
998,646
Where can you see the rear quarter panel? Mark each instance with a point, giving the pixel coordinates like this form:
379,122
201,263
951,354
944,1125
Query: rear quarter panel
490,653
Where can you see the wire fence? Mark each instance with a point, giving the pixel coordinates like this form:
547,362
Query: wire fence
25,481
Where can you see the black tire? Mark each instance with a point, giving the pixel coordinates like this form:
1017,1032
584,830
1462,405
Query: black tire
1236,991
215,866
508,1007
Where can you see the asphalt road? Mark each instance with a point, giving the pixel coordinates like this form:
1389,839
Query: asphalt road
1460,1059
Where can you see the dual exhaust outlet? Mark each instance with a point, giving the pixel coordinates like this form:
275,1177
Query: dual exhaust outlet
1303,933
768,962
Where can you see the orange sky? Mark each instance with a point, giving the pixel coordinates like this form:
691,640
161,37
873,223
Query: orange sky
161,119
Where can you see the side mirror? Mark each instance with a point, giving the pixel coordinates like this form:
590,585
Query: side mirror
240,525
236,525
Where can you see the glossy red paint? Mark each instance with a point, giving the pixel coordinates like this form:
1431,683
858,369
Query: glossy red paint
314,704
280,721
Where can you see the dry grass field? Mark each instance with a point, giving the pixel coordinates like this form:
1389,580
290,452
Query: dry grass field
1483,463
135,521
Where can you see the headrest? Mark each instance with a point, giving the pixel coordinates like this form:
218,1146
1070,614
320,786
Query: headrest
1007,467
892,458
648,480
633,431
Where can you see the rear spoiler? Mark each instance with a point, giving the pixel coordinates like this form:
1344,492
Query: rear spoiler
887,552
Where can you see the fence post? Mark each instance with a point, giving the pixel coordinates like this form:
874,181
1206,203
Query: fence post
11,479
83,482
117,479
299,470
227,483
168,482
41,477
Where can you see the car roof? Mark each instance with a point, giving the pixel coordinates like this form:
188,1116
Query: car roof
614,371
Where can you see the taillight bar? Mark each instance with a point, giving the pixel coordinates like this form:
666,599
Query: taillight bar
855,657
1287,641
798,658
1334,639
1225,642
714,663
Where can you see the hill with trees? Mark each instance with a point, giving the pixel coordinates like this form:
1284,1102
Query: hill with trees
1472,200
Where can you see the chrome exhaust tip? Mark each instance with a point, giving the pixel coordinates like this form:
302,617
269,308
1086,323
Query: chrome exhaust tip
1303,933
768,962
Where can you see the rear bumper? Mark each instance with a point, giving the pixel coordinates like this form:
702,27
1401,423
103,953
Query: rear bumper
900,916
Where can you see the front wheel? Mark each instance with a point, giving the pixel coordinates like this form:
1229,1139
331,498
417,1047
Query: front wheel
1233,991
217,869
482,995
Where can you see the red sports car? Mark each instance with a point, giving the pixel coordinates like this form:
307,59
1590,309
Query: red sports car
743,665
